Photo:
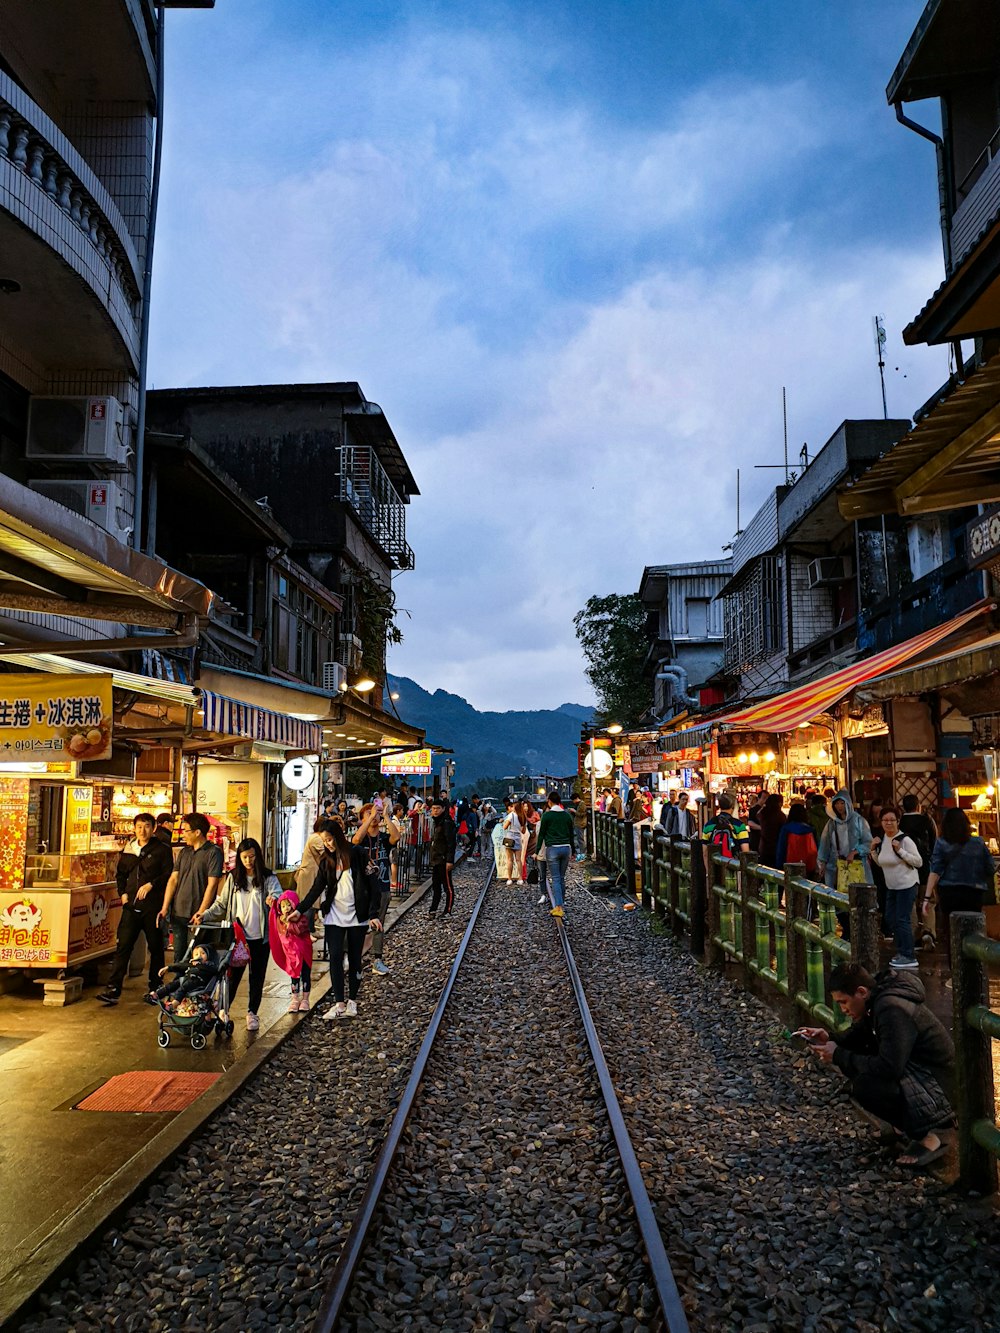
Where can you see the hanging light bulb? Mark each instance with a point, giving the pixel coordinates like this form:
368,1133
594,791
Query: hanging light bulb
769,756
754,756
741,758
822,753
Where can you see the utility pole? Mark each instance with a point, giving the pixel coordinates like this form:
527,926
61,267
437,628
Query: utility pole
879,324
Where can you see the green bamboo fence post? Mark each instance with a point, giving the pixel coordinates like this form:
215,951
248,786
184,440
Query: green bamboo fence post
769,897
795,909
748,920
674,881
780,933
977,1167
628,857
711,914
646,868
682,881
865,930
664,879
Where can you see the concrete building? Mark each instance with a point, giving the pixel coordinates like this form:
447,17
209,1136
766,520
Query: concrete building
684,623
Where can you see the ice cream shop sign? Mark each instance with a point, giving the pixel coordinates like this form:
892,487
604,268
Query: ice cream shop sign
55,718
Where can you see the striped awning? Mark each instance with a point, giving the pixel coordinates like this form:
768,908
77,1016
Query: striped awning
229,717
801,705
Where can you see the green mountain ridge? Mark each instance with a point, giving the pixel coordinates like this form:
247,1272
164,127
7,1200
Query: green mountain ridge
490,744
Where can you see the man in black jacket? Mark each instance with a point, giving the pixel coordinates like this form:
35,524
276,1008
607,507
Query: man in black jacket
894,1053
143,870
443,840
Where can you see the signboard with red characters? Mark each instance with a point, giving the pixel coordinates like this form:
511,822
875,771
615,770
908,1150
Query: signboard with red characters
58,927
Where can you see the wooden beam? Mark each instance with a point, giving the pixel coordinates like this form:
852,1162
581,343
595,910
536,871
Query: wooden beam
984,490
14,597
865,504
944,460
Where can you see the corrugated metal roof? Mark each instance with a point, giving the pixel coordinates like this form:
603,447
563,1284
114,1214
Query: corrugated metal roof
967,408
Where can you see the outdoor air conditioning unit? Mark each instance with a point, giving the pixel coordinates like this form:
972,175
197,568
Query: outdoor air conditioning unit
68,430
100,501
829,569
334,675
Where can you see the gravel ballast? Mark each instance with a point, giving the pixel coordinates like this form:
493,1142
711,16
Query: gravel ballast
778,1208
243,1229
509,1209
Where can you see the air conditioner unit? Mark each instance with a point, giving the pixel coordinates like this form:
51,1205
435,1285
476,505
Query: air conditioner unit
829,569
100,501
334,675
67,430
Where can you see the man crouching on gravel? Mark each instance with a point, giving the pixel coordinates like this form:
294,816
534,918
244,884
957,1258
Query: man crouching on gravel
894,1054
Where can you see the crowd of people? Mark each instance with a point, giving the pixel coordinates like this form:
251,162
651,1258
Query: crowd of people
348,872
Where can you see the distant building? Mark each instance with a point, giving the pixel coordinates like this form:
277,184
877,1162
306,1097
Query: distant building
684,623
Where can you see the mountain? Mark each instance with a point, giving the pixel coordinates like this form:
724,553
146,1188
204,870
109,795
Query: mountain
492,744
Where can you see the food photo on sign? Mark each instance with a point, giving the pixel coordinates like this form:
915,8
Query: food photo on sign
55,718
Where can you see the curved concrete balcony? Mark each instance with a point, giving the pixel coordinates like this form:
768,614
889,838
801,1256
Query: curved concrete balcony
63,239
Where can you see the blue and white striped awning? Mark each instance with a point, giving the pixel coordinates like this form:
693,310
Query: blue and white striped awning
229,717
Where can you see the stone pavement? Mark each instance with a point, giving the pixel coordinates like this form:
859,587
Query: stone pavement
59,1168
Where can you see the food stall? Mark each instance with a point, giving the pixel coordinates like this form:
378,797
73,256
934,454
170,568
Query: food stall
58,898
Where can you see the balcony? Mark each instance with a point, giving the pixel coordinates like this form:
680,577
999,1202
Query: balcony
979,201
64,240
100,51
366,488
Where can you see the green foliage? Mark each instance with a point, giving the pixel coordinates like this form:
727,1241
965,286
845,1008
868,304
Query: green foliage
376,624
612,634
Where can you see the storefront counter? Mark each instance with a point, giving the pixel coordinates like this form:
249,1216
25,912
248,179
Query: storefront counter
66,914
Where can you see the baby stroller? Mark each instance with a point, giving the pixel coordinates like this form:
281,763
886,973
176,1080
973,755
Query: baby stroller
199,1011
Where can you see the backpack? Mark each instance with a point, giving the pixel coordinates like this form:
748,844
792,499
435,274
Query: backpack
722,834
801,847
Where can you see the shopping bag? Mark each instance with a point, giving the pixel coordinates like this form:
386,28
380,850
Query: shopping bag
241,950
848,873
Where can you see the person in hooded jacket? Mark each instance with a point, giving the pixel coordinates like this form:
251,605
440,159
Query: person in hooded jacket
771,819
846,838
895,1054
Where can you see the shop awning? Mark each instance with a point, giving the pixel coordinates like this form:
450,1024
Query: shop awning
56,562
974,661
230,717
796,707
221,714
689,738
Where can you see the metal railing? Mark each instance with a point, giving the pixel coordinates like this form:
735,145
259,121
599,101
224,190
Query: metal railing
365,486
974,957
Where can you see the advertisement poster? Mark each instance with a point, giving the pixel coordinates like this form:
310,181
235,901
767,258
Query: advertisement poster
55,717
238,801
79,811
58,927
412,761
13,832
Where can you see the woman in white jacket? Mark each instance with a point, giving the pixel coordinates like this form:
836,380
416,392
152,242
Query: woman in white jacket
898,859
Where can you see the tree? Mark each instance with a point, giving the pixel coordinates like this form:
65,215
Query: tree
612,634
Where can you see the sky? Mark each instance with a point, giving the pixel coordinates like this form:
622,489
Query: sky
574,250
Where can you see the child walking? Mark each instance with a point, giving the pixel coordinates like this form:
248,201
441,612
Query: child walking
292,947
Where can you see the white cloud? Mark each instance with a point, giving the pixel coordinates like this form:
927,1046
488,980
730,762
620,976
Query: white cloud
562,436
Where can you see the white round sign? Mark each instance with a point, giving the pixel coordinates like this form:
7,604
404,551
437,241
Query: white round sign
603,763
298,774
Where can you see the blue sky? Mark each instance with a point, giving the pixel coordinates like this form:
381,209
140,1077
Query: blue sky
574,251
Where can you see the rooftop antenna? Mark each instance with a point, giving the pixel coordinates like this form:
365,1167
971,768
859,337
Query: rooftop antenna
879,324
784,414
738,528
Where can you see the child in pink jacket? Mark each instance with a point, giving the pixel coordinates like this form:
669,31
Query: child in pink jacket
292,948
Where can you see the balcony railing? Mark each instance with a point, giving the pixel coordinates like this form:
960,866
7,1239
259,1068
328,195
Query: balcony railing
44,182
979,201
365,486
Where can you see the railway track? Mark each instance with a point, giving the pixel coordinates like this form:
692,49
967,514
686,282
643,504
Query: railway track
445,1225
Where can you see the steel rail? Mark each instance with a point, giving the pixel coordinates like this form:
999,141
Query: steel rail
656,1254
350,1256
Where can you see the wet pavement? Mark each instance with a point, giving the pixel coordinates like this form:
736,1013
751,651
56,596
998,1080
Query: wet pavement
54,1159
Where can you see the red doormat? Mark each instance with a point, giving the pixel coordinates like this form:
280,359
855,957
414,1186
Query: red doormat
147,1090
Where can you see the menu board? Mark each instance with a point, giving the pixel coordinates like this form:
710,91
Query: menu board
79,803
13,831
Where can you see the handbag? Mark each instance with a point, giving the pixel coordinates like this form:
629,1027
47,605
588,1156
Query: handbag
510,843
533,875
241,950
848,873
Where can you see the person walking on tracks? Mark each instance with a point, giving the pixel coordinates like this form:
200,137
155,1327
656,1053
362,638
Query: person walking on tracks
347,882
555,836
379,836
895,1053
443,841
